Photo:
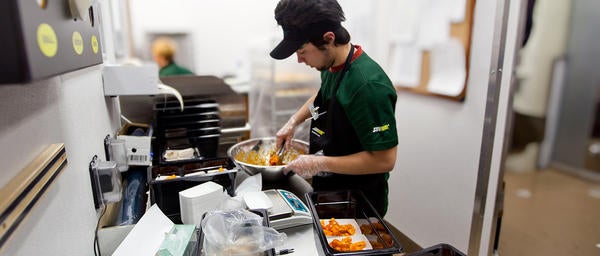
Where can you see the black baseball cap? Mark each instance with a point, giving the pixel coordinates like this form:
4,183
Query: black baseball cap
294,37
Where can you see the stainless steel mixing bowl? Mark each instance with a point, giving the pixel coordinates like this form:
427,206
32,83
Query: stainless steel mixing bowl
267,144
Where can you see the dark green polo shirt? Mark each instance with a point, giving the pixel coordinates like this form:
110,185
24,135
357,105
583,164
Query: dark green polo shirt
173,70
369,100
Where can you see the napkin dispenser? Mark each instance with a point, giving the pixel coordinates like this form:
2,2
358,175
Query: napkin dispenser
199,199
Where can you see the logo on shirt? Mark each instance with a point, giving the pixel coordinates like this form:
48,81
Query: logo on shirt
317,131
382,128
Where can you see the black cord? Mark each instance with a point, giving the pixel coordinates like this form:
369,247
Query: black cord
285,251
96,242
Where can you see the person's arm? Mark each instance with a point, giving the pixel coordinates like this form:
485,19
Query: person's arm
364,162
287,131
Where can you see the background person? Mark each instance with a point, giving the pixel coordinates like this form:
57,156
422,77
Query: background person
163,53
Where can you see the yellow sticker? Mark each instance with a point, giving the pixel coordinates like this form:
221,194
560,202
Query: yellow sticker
46,39
77,42
95,44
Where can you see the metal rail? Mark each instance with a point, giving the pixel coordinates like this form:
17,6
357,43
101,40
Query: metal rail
20,195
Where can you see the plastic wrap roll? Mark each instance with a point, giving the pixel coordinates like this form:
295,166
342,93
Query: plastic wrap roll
134,200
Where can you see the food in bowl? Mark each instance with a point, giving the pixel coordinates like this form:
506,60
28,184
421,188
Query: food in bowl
266,155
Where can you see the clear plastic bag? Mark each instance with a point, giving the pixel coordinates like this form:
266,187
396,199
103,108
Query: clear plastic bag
238,232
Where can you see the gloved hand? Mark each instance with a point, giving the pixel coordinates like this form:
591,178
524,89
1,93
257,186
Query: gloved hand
286,133
307,165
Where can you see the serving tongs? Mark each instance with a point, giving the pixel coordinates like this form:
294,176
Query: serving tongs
277,158
257,146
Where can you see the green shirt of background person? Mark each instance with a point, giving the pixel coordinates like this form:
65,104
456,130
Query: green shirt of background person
163,53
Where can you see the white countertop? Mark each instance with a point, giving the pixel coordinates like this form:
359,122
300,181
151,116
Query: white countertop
303,240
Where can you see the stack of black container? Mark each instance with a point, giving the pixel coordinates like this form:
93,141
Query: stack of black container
196,127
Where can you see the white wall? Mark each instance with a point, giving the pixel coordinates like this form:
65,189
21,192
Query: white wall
68,109
221,30
433,184
224,31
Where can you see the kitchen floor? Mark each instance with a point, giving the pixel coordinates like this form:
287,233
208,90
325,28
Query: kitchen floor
548,212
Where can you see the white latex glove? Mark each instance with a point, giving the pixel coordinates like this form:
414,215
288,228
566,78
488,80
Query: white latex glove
307,165
286,133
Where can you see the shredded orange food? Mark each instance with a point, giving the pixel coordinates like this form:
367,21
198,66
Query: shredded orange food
346,245
333,228
267,156
274,159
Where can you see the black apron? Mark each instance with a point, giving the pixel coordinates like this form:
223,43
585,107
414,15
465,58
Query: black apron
333,134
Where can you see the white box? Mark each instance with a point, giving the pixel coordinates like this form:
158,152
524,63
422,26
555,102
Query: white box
197,200
138,147
130,80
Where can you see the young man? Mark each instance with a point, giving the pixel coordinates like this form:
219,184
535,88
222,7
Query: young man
353,128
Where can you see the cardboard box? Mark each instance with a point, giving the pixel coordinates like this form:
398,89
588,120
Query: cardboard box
138,147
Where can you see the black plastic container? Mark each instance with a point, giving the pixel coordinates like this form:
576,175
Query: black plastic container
206,146
202,128
165,193
197,127
197,120
172,107
438,250
352,204
181,168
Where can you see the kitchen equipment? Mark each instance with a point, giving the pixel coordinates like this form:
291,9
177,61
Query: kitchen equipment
40,39
168,181
197,128
269,173
280,152
106,179
257,146
287,210
232,105
438,250
353,205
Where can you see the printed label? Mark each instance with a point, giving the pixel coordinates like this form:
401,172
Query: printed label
317,131
77,42
95,44
46,39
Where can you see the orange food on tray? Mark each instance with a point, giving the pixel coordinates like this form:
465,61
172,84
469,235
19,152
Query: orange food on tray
334,229
367,229
346,245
